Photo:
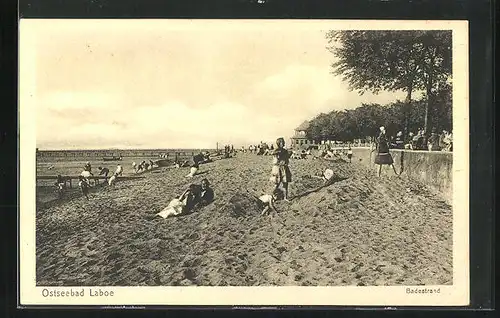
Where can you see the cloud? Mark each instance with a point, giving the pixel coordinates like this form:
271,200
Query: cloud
271,108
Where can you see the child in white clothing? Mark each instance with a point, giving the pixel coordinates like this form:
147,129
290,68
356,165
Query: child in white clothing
266,201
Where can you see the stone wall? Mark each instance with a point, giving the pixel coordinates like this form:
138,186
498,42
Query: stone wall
433,168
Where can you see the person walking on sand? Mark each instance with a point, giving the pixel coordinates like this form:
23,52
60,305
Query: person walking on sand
383,156
284,175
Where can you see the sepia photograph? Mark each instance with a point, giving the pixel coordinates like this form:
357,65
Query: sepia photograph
200,153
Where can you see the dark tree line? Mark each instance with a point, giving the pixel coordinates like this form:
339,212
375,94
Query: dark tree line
396,60
364,121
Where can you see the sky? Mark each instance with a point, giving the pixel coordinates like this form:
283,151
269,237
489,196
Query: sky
179,84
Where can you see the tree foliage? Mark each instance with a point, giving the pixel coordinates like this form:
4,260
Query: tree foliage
364,121
394,60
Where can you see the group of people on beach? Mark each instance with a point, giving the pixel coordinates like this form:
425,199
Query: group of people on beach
201,195
143,166
85,177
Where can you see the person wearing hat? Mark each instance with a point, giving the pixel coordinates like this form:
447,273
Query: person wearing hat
284,175
383,156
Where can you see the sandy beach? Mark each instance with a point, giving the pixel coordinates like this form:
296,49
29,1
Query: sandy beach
361,230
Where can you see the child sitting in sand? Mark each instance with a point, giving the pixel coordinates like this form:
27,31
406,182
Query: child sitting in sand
266,201
83,184
207,193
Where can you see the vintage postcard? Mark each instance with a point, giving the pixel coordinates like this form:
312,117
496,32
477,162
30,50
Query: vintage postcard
244,162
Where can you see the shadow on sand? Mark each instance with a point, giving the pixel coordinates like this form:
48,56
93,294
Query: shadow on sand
333,181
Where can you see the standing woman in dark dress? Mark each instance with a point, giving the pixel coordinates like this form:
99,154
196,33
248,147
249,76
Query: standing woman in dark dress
284,175
383,156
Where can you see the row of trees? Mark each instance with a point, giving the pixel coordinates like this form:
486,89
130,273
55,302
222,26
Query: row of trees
365,120
397,60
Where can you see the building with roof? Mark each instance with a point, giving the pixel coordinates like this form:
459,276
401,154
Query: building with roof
300,138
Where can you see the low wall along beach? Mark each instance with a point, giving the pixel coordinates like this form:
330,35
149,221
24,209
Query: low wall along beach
434,168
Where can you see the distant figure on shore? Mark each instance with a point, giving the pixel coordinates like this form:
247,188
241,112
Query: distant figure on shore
119,170
88,167
142,166
112,180
86,174
284,175
134,166
383,156
266,201
104,172
84,186
61,185
349,154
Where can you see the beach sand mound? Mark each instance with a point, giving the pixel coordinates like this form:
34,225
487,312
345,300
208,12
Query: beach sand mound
359,230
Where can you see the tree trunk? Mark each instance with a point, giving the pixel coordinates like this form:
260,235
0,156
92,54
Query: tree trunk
407,109
428,108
